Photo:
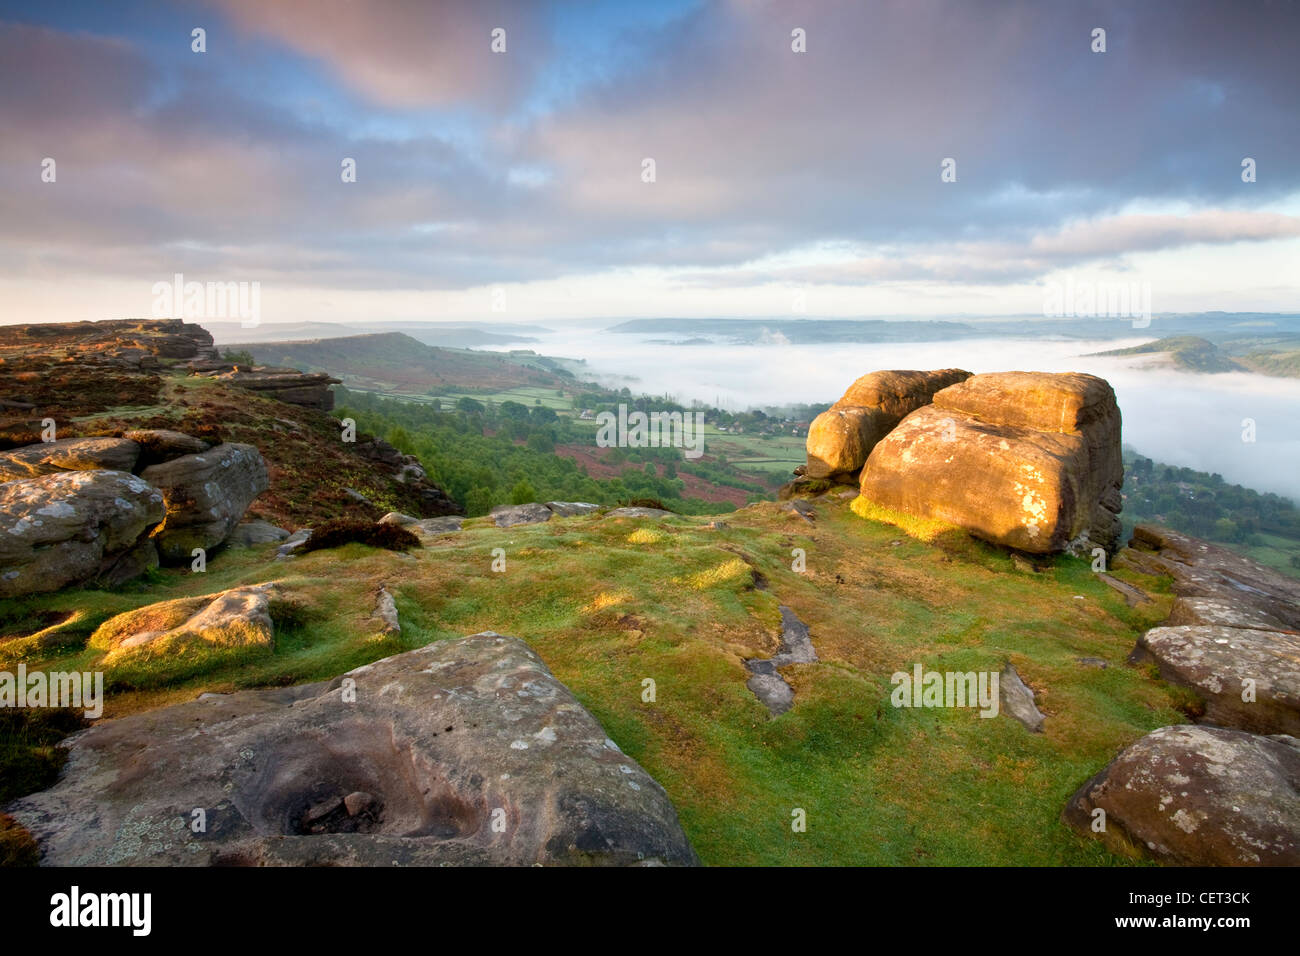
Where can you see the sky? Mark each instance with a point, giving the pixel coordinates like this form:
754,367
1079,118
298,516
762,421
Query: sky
512,185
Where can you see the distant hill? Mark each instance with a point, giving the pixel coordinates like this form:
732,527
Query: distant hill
1189,352
1277,355
448,335
396,362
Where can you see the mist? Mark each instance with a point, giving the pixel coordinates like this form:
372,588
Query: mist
1175,417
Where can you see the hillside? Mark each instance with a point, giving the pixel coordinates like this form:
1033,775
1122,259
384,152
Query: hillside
609,602
1275,355
396,362
1188,352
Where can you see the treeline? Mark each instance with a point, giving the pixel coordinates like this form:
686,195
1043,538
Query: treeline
1205,505
487,455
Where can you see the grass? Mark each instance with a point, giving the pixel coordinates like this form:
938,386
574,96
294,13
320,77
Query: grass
608,603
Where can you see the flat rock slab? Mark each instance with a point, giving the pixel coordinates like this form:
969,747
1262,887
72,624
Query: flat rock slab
1223,663
68,454
507,516
766,682
431,748
433,527
572,509
638,513
1199,796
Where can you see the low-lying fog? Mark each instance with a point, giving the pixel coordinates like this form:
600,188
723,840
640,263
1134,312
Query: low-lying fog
1175,417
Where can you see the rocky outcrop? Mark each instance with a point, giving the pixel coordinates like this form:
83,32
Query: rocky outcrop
1233,635
461,752
207,494
1200,796
73,527
841,438
1213,585
309,389
1030,460
127,343
69,454
406,469
1249,679
67,370
239,617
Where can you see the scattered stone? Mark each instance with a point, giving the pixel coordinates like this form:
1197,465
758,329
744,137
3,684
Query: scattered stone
397,518
507,516
1021,563
250,534
1199,796
357,496
68,454
386,613
1222,663
293,543
800,508
441,738
1096,662
75,526
207,494
358,802
1018,700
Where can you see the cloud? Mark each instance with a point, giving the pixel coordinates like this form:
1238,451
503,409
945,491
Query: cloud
472,169
410,53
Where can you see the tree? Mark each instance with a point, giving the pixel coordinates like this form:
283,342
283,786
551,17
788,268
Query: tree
470,407
522,493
